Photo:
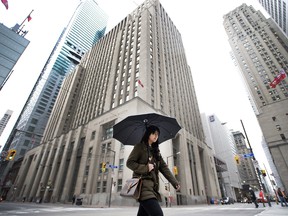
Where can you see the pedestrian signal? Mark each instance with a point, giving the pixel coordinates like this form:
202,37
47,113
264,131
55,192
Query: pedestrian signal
237,159
263,173
103,167
11,154
175,170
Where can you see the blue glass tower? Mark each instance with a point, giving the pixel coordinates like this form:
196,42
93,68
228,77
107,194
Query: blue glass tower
85,28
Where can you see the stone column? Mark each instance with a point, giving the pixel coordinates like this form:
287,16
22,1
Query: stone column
41,169
60,175
69,176
93,165
22,176
47,173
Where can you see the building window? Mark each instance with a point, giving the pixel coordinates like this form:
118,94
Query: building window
121,164
278,127
86,171
108,132
119,185
93,135
283,137
98,186
26,142
34,121
89,154
31,129
104,186
84,188
103,148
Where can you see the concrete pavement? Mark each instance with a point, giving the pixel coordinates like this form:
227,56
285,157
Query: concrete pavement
236,209
274,210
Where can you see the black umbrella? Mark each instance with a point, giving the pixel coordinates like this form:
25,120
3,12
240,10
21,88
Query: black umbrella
131,130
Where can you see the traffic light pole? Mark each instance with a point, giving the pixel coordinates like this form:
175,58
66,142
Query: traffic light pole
110,191
247,140
169,193
169,190
253,158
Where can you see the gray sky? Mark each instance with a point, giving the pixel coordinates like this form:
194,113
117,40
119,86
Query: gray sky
217,82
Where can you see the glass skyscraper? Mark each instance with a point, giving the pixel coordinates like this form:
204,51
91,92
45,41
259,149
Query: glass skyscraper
86,27
4,120
12,45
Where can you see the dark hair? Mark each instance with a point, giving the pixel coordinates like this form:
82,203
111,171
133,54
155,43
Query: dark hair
155,146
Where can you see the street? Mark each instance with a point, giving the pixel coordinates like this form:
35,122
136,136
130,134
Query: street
31,209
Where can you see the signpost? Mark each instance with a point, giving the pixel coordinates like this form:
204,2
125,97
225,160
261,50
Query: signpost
113,166
248,155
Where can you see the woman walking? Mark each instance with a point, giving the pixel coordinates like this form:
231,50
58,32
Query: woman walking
146,162
282,197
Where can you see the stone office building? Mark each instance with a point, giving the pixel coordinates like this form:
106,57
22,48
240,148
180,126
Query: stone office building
261,51
138,67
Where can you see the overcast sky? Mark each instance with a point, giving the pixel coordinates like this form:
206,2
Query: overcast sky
218,86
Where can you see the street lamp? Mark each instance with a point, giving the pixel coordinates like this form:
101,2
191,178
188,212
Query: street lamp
169,193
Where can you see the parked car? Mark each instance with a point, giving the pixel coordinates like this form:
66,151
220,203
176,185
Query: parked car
246,200
227,200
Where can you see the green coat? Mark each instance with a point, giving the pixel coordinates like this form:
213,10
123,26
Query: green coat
138,163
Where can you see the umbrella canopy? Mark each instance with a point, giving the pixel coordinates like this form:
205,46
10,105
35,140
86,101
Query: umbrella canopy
131,130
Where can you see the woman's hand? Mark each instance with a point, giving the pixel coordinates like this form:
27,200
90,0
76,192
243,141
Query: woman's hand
150,167
178,187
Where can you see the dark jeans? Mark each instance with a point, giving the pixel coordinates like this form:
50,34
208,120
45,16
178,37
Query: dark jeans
149,207
283,201
255,202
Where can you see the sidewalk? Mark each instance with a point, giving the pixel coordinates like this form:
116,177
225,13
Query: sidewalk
275,210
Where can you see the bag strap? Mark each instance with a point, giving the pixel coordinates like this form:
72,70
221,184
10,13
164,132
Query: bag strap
133,185
161,179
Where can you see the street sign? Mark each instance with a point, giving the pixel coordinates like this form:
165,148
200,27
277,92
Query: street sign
113,166
248,155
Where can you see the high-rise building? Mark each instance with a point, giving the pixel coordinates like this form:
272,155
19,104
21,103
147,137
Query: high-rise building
85,28
246,167
12,45
138,67
273,179
278,10
219,137
4,120
261,51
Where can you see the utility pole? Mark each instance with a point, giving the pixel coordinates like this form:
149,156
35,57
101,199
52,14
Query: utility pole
169,191
110,191
253,158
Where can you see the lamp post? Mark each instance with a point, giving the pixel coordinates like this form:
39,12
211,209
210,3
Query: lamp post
169,193
110,191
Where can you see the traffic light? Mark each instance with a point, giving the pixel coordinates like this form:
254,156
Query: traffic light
263,173
103,166
11,154
175,170
237,159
